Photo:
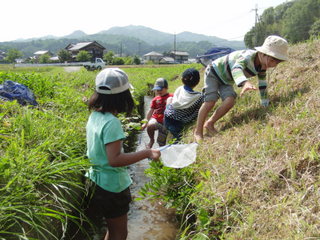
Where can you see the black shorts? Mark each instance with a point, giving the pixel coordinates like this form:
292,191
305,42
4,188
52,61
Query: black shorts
109,204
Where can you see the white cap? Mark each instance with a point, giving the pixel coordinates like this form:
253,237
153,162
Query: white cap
275,46
112,81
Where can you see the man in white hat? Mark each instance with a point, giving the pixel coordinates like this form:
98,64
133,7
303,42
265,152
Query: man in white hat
236,68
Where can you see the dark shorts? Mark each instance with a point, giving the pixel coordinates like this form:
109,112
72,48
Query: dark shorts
175,127
109,204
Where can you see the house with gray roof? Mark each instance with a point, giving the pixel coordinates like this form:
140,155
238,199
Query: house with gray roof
38,54
153,56
179,56
167,60
93,48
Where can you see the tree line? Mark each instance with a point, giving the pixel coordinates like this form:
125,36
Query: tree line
65,56
296,20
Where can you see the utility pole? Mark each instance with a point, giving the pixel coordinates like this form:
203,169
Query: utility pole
121,49
256,15
139,48
255,25
174,46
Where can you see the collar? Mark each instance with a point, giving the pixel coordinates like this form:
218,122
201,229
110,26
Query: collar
187,88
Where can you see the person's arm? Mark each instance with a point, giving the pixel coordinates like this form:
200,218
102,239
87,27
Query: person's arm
149,115
242,81
169,100
247,86
263,89
119,159
238,75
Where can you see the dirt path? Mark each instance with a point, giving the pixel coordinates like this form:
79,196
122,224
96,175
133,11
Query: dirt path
72,69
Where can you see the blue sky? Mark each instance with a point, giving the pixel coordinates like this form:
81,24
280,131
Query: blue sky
229,19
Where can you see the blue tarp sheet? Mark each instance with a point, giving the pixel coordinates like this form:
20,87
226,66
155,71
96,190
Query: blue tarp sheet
10,91
213,54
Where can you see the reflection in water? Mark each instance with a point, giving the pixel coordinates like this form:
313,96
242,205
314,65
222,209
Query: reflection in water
148,220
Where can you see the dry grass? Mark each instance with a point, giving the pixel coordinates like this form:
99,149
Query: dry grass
265,163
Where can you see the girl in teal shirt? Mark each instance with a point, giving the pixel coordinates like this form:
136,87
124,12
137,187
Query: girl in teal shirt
108,172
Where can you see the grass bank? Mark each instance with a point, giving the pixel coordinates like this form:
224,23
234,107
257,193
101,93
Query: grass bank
258,178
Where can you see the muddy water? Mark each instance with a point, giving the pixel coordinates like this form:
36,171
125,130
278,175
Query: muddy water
148,220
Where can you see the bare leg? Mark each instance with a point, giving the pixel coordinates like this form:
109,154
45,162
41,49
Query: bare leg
202,115
117,228
226,105
150,130
106,237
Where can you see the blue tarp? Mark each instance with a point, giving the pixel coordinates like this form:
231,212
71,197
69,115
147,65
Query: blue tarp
10,91
213,54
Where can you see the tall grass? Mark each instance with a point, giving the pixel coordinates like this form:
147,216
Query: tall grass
42,158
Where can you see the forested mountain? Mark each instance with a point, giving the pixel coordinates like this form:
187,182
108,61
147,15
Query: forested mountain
296,20
130,40
154,37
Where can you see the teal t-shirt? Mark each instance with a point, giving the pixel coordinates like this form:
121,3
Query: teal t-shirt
104,128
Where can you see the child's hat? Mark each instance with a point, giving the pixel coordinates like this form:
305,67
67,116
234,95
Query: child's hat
160,84
276,47
112,81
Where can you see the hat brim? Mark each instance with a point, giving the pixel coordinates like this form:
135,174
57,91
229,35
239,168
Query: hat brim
114,90
272,54
157,88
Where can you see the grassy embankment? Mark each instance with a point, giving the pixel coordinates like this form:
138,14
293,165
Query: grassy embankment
258,178
42,150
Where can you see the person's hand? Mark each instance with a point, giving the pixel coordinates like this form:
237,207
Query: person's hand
144,126
264,102
154,154
247,87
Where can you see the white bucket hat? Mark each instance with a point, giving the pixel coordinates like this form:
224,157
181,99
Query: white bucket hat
112,81
276,47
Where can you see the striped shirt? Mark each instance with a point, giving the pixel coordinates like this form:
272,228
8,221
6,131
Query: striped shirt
185,105
237,67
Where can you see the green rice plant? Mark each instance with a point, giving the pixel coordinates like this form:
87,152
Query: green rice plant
42,160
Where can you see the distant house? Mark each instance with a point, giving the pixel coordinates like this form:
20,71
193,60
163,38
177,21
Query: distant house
54,59
20,60
93,48
2,55
42,52
153,56
179,56
167,60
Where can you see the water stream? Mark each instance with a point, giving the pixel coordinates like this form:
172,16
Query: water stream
148,220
